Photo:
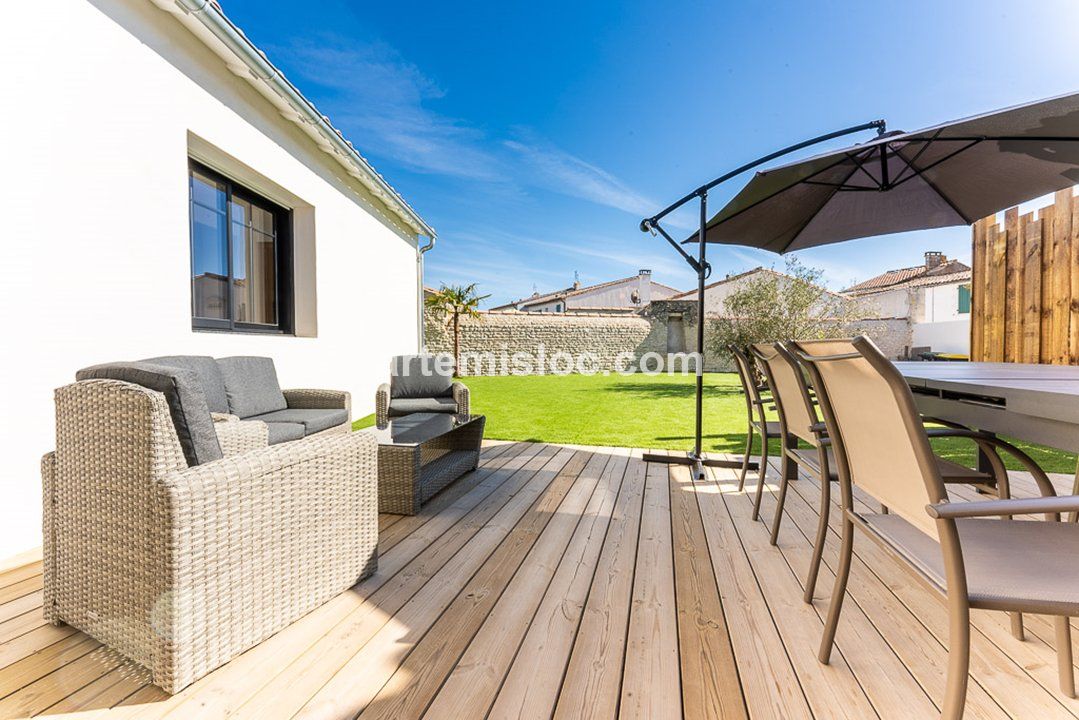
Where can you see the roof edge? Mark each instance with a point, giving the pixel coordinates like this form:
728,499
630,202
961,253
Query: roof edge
300,110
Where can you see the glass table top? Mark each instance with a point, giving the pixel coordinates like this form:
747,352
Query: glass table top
418,428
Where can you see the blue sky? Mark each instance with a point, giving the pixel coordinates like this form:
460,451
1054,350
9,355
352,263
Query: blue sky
534,136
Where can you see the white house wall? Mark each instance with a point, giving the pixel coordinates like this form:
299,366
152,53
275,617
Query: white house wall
942,304
949,336
887,304
103,102
621,294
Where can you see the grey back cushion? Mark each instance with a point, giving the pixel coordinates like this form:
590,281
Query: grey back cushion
251,385
213,383
187,407
418,376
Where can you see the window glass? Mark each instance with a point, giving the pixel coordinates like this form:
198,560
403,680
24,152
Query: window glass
235,255
209,249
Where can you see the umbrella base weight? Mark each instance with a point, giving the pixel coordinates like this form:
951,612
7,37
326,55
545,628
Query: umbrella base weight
697,462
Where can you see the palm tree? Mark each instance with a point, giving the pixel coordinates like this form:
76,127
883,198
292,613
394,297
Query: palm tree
456,301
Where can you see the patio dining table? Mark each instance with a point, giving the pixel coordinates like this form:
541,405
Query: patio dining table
1034,403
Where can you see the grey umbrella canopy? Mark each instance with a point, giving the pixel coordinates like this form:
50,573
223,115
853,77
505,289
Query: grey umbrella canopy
950,174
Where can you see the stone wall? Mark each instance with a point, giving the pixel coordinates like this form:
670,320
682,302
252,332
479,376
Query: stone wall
606,336
497,336
501,335
892,335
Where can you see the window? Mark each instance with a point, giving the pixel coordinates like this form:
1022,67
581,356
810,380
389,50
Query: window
241,257
964,299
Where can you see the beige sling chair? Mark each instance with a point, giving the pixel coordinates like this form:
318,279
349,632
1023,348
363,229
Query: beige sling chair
756,407
972,553
799,421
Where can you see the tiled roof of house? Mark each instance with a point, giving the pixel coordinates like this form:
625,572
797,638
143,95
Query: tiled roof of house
940,279
917,276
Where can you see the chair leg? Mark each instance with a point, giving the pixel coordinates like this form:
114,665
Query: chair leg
822,535
1064,655
839,591
789,471
745,458
1018,631
760,477
955,692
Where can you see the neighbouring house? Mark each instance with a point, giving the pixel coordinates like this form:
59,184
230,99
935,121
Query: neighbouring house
170,192
625,295
932,298
677,314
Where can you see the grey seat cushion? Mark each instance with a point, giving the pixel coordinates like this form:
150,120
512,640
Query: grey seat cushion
1020,565
418,376
182,391
251,385
407,406
284,432
312,421
210,377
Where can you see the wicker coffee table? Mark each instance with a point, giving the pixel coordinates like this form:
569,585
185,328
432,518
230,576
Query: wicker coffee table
421,453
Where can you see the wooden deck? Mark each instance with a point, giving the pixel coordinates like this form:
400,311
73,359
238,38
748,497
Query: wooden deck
570,583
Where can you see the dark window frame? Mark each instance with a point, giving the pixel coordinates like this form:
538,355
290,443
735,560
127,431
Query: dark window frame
283,256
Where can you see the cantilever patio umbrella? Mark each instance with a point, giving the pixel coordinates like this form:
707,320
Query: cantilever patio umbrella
949,174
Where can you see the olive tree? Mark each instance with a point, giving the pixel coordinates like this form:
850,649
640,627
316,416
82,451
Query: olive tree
772,306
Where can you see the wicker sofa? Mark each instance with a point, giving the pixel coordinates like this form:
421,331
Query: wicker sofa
180,557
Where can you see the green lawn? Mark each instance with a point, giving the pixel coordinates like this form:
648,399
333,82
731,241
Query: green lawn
643,411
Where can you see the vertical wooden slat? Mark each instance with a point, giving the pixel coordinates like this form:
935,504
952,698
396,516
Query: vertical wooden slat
1060,276
1013,274
1073,314
997,266
1045,354
1031,231
977,290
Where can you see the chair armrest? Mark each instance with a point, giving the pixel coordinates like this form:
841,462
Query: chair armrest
461,397
267,460
241,436
314,399
990,444
224,417
945,423
1001,508
382,404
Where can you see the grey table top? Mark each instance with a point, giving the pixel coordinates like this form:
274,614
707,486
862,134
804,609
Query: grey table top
986,372
1042,392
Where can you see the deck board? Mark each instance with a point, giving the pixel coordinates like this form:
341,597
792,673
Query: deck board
570,582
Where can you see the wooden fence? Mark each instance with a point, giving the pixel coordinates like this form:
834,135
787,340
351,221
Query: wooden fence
1025,290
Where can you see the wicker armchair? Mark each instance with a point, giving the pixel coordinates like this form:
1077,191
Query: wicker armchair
183,568
405,394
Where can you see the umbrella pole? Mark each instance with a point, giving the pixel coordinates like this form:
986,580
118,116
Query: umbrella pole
696,456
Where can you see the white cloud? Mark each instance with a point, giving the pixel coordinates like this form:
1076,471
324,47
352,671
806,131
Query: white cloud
558,170
383,100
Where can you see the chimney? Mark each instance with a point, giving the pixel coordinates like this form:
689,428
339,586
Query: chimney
934,259
644,287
